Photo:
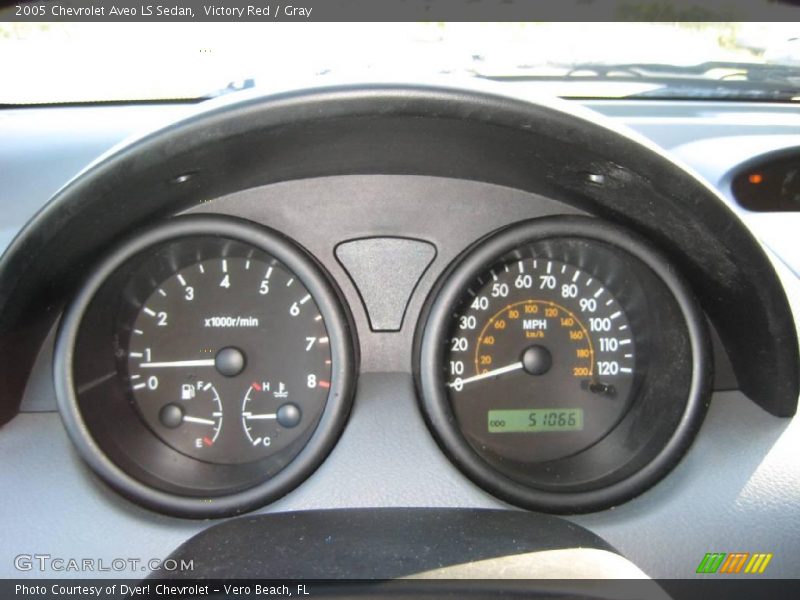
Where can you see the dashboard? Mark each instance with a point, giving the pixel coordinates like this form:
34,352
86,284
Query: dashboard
387,297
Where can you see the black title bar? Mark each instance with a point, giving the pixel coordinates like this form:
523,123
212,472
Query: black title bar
397,10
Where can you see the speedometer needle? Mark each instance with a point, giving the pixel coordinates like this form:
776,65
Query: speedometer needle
493,373
206,362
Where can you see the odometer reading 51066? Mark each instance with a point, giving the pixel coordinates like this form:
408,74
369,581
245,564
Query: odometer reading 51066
535,420
539,345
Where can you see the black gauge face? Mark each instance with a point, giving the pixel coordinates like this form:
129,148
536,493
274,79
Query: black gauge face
541,359
227,358
557,359
206,367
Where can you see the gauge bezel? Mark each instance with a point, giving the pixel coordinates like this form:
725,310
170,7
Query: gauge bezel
615,482
233,492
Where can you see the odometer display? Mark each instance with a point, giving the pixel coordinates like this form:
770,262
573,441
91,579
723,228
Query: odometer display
536,420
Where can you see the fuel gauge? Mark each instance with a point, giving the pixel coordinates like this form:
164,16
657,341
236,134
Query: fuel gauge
192,423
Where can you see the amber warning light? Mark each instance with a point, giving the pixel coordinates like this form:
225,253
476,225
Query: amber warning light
755,178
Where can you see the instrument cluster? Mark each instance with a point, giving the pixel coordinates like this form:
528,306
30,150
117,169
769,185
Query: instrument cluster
209,363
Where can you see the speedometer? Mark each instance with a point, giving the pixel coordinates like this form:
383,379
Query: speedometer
543,347
562,364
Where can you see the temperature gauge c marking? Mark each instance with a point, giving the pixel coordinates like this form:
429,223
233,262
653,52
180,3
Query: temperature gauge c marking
267,414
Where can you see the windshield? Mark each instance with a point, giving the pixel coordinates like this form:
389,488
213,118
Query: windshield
90,62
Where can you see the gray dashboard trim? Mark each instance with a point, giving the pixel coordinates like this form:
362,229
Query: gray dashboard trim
385,299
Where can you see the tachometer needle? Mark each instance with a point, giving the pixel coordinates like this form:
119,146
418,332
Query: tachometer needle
493,373
206,362
198,420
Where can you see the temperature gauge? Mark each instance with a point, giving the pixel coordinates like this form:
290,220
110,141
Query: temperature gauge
267,413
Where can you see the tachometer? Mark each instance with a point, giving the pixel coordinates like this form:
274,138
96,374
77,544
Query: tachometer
206,367
234,319
562,364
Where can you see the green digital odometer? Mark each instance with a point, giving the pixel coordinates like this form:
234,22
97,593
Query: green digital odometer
535,420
